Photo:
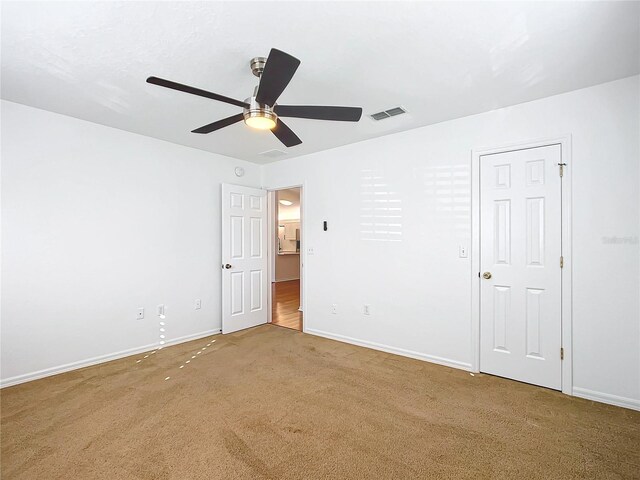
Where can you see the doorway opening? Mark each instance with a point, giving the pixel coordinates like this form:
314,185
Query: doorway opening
286,265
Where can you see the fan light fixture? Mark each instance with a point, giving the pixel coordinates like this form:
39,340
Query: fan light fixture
260,121
259,116
286,202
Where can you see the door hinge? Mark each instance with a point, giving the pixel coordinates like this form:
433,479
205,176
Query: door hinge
561,353
561,262
562,165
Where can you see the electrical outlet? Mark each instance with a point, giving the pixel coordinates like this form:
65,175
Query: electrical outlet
462,252
334,309
198,304
367,310
160,310
310,251
140,314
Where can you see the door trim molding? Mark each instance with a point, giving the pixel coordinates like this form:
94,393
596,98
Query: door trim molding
566,245
271,246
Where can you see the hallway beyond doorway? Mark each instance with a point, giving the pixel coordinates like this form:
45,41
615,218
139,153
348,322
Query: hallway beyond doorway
286,304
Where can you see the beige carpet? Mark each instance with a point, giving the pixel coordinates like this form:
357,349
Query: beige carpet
274,403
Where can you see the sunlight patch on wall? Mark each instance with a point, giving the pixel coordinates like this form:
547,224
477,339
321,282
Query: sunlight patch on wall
448,197
381,209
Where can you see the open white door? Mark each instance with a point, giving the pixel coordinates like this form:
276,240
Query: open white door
520,293
244,257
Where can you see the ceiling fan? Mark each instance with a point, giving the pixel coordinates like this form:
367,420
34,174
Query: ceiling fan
261,110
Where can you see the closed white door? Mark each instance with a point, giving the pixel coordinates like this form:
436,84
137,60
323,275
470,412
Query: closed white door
520,261
244,257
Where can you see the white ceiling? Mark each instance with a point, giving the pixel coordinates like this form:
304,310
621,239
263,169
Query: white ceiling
288,212
438,60
291,194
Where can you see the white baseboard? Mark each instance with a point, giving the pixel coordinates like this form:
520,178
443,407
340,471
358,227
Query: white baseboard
607,398
397,351
286,279
577,391
47,372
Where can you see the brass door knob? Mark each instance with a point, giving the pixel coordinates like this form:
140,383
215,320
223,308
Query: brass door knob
486,275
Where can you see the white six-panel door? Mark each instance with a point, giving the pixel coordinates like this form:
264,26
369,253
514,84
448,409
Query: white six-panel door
244,257
520,249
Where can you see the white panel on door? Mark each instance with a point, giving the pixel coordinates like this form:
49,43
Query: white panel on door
237,236
502,238
256,203
237,200
256,290
237,293
535,231
501,313
534,313
535,172
503,176
256,237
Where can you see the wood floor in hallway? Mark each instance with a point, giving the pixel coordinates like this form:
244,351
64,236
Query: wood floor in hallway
285,304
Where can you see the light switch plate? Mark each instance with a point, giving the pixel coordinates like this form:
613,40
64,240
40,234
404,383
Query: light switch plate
198,304
140,314
462,252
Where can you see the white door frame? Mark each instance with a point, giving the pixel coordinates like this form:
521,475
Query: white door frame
565,146
271,209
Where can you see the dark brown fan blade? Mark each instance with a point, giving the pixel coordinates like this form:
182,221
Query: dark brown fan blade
225,122
319,112
285,134
195,91
276,76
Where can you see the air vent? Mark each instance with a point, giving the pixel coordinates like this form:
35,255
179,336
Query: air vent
380,115
273,153
392,112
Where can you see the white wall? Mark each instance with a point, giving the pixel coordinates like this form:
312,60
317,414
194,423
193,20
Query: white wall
97,222
287,267
409,270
